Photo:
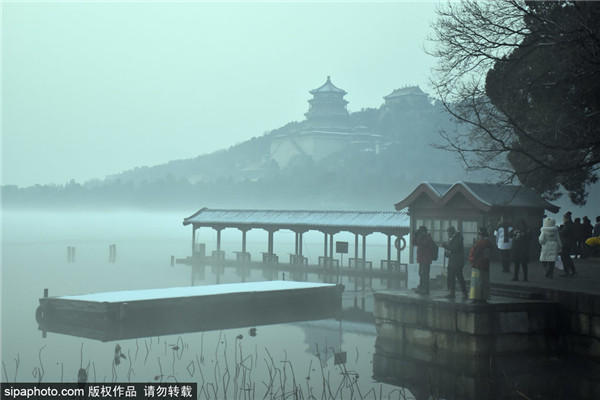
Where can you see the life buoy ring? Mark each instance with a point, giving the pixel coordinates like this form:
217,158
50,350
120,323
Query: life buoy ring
400,243
40,315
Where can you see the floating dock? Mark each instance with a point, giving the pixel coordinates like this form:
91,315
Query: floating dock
153,312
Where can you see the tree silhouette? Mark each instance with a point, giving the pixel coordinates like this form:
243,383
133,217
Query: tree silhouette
524,77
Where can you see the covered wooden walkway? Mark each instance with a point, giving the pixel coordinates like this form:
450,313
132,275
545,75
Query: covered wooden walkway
360,223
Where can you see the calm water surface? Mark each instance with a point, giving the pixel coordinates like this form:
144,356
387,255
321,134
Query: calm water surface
232,363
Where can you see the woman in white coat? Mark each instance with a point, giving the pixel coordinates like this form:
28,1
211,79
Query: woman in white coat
551,245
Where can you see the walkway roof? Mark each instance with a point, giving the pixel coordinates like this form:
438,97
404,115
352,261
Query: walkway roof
362,222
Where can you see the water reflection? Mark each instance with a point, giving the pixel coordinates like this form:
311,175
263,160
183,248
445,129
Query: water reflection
276,358
431,373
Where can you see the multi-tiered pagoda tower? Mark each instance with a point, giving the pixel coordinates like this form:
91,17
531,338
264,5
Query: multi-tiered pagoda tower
326,130
328,107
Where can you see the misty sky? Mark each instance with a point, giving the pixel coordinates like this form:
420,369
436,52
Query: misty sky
95,88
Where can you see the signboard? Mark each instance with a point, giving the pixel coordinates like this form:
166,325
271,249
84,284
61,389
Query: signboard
341,247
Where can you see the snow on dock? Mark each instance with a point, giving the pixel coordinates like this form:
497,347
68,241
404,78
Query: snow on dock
192,291
153,312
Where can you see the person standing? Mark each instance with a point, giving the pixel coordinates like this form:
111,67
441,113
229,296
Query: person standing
578,238
549,239
567,239
504,242
520,249
425,248
588,232
596,233
479,256
454,250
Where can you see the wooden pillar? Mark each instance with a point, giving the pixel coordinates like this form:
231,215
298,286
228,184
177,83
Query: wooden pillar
325,248
364,247
296,240
398,250
218,241
356,245
331,248
244,240
270,242
300,242
389,248
194,239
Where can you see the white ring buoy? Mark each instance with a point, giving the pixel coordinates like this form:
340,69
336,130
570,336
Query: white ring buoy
39,315
400,243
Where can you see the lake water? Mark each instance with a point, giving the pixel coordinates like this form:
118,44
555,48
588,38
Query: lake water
285,360
235,363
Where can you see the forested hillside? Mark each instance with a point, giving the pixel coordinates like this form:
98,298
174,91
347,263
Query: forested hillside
245,176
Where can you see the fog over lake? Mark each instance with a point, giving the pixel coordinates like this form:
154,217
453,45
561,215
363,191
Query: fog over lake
34,257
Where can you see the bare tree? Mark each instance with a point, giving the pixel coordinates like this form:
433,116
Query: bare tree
523,79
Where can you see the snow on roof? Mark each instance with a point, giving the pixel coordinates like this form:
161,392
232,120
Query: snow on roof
406,91
328,87
487,194
190,291
313,219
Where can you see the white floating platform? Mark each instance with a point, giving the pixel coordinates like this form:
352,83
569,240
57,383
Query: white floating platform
152,312
193,291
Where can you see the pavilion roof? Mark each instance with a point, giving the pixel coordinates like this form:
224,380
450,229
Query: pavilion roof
482,195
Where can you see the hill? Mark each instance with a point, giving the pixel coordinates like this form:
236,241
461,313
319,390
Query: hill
375,159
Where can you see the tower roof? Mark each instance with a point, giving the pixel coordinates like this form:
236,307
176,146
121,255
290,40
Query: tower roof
328,87
406,91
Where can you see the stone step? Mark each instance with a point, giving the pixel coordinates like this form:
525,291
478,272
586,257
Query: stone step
516,293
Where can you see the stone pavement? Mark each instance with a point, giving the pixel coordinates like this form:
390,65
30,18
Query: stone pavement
587,279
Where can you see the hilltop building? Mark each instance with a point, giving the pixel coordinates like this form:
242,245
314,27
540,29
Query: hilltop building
328,107
326,130
408,96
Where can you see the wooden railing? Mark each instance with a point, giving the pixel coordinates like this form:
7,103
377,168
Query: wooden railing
328,262
360,263
298,259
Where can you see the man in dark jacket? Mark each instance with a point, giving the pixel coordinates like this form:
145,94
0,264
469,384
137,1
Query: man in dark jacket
588,232
520,250
456,261
567,238
425,247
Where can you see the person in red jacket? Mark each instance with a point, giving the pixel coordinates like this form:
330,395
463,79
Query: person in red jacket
479,256
425,247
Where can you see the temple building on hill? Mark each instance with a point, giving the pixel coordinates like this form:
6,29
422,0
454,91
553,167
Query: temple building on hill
328,107
408,96
327,130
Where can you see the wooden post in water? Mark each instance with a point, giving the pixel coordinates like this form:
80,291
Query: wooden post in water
71,254
112,253
44,332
